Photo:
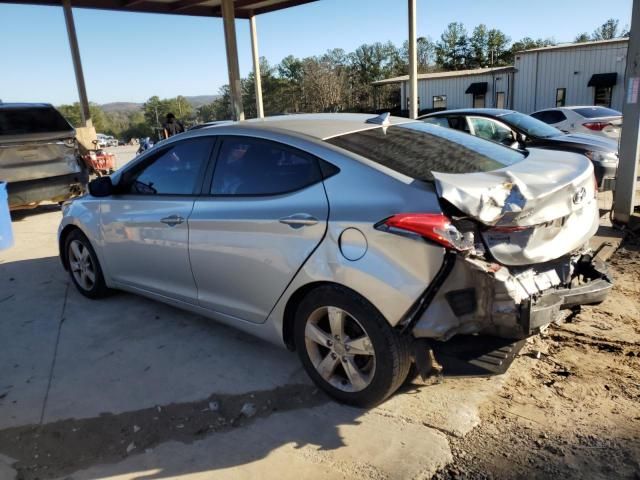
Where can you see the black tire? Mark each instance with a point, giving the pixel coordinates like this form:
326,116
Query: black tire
391,350
99,288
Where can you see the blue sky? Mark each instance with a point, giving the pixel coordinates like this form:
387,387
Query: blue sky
130,57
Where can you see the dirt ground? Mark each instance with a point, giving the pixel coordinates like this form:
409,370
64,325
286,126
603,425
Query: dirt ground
571,405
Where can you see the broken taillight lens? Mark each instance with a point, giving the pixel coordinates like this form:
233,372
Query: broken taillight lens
433,226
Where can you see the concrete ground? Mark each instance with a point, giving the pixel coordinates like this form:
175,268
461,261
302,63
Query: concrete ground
126,388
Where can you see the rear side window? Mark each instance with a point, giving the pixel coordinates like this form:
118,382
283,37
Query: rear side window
248,166
595,112
419,149
550,116
173,171
21,121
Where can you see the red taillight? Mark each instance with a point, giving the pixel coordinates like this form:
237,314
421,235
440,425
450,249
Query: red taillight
433,226
596,126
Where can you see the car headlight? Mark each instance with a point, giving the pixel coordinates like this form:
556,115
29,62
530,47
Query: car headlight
603,157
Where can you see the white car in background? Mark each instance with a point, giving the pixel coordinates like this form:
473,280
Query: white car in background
594,120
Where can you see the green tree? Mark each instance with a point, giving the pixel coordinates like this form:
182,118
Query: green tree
582,37
607,31
425,53
452,50
498,48
98,117
479,47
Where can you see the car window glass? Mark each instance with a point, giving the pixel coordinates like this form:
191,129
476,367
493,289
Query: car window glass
19,121
254,167
459,123
174,171
491,130
595,112
442,121
418,149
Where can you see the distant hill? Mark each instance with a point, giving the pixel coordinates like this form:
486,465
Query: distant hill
199,100
121,107
195,101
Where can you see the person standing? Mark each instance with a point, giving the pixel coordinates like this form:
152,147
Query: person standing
172,126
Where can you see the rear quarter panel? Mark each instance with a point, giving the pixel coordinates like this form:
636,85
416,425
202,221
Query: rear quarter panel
395,269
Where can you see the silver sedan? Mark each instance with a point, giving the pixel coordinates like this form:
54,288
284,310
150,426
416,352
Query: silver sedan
357,240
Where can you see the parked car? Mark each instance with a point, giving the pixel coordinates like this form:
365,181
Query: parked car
112,142
103,140
38,155
519,131
592,120
209,124
350,238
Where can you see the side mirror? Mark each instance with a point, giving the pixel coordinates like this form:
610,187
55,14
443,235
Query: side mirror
101,187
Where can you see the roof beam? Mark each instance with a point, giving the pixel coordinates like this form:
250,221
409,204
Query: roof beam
132,3
185,5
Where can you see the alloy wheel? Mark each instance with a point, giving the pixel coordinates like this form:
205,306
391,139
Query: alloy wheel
340,349
81,265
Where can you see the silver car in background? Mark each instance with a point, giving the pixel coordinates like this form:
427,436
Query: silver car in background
351,238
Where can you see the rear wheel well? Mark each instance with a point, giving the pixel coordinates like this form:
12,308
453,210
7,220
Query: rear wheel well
292,306
66,231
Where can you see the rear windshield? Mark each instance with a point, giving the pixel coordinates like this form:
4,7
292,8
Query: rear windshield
419,149
20,121
595,112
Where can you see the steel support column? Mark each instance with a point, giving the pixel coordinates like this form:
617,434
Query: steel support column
256,66
228,17
413,62
626,178
85,114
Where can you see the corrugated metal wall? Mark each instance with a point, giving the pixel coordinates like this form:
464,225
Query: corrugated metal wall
541,73
455,87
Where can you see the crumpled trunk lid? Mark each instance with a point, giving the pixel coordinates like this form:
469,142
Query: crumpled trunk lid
531,212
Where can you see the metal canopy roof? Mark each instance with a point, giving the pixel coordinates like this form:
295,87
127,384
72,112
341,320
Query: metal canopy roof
200,8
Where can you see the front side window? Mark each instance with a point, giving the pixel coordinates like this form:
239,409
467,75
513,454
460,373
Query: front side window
418,149
602,97
561,94
478,100
247,166
175,170
440,101
491,130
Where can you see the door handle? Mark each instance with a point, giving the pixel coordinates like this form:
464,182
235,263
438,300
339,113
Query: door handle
172,220
298,220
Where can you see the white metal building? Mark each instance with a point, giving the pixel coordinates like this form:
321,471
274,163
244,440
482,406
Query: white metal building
590,73
482,87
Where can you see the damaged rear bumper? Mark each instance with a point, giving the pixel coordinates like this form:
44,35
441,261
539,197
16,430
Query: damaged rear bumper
486,298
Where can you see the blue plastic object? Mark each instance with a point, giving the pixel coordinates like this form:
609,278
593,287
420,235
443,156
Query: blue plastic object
6,234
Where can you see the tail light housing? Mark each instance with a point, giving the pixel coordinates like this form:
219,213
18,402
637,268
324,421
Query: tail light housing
436,227
595,126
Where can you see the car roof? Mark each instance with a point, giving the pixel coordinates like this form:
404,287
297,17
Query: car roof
491,112
321,126
10,106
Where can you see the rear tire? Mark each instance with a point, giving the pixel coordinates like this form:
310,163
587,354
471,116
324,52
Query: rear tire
348,348
84,268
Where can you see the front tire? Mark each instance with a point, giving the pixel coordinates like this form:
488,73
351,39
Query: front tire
84,268
348,348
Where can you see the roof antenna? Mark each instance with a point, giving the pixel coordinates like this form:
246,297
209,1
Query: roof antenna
382,119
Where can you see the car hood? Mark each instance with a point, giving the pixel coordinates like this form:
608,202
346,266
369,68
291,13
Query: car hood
589,142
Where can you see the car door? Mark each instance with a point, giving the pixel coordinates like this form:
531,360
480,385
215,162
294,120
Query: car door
266,212
145,224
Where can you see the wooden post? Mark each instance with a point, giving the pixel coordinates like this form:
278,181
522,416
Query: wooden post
256,66
228,17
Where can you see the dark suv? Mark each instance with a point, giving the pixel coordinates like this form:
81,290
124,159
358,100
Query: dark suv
38,155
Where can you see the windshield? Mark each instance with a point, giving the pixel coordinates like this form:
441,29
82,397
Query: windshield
419,149
595,112
20,121
532,127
